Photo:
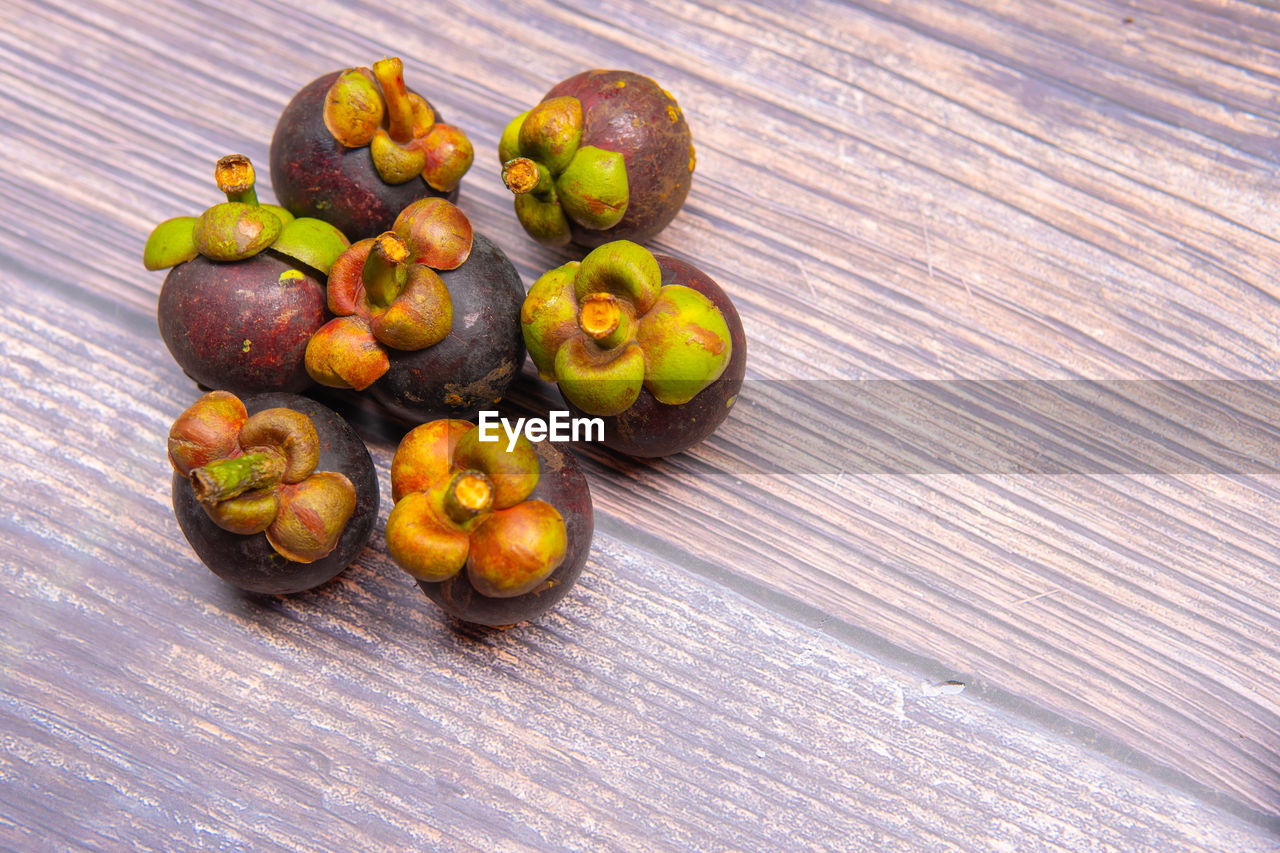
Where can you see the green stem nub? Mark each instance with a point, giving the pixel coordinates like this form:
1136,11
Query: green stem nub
470,494
385,272
390,76
235,177
522,175
228,478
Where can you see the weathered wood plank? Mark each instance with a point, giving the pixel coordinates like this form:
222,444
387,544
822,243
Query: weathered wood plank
905,190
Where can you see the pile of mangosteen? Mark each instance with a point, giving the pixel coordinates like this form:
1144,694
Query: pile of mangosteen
367,277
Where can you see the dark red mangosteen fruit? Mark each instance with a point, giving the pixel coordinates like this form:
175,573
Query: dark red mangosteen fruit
276,494
246,288
355,147
495,532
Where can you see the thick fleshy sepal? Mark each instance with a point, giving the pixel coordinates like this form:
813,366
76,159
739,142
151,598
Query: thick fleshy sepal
515,550
425,455
314,242
209,429
686,344
449,156
312,516
232,231
549,317
623,268
600,382
343,353
420,316
421,543
439,234
543,220
170,243
551,132
593,188
514,473
353,108
290,434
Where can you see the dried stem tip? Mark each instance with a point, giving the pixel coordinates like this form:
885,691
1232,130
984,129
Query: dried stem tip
235,177
470,494
600,315
521,175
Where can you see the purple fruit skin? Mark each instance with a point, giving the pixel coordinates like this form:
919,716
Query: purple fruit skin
249,562
633,120
563,485
208,310
483,353
312,174
650,428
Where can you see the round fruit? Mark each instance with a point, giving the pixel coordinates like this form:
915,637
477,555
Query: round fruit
246,291
427,317
646,342
355,147
494,531
606,155
276,494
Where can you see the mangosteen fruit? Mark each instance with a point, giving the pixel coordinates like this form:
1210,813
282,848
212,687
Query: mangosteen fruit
246,288
606,155
646,342
427,317
494,531
275,493
355,147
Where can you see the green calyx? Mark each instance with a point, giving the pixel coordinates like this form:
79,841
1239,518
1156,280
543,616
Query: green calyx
462,503
556,178
373,107
607,327
384,299
242,227
257,474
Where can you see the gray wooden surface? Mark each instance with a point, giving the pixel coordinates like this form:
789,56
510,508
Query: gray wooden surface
754,660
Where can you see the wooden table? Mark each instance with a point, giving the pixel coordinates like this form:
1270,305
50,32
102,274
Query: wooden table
817,658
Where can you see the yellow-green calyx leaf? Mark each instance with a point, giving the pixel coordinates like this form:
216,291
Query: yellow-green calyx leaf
172,242
256,474
686,344
233,231
314,242
549,317
543,220
542,155
373,107
607,327
600,382
551,132
242,227
593,188
463,503
353,108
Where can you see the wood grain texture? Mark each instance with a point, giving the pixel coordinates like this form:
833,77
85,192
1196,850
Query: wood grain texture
906,190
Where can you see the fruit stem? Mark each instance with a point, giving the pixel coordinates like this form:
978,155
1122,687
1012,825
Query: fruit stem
235,177
470,494
522,175
601,317
226,478
385,271
390,76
